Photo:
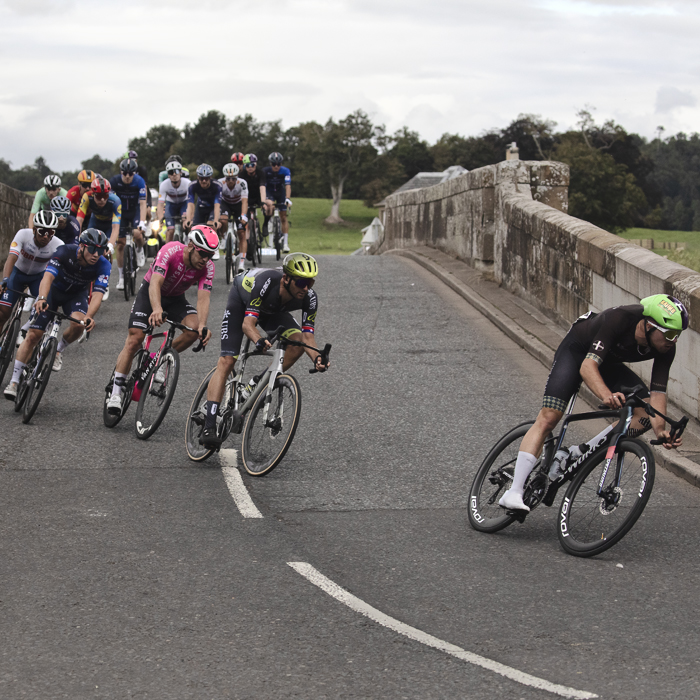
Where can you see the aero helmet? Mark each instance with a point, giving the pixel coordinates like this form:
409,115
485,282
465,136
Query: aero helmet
300,265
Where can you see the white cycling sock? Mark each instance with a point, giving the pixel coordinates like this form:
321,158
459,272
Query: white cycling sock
19,366
121,273
285,237
523,466
62,344
118,385
25,327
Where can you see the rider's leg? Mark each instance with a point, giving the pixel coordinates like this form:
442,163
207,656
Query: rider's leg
5,312
293,352
169,234
215,390
120,256
24,352
285,229
133,341
242,246
187,338
268,208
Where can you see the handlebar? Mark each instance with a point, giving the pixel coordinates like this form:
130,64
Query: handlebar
182,327
16,291
324,357
275,336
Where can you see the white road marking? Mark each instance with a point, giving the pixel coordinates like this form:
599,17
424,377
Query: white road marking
232,476
334,590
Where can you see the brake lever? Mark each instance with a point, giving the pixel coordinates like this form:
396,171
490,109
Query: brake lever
676,432
324,356
201,345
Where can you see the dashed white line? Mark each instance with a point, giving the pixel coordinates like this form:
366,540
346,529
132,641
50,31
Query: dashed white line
232,476
340,594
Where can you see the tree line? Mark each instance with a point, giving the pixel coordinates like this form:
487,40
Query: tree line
618,179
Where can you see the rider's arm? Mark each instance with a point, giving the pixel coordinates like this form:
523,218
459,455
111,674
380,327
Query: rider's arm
154,288
44,289
217,213
189,214
142,216
250,329
10,263
161,210
244,206
591,376
203,299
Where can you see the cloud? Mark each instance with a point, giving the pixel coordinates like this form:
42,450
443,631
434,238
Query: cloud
669,98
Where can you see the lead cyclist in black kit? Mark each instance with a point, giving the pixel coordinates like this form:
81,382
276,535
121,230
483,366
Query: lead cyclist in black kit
593,351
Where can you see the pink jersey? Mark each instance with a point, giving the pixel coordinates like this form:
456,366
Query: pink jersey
178,278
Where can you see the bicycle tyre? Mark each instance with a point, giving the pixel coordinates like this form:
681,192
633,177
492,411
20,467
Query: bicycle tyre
8,346
229,259
127,271
256,437
582,525
260,239
155,401
277,231
134,269
485,515
109,419
38,382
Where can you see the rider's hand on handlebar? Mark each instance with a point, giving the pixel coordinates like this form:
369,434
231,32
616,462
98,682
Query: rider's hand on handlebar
41,305
156,318
204,339
89,323
262,345
187,225
666,437
5,280
319,366
615,400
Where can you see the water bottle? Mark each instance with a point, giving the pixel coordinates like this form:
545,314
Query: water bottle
556,471
248,389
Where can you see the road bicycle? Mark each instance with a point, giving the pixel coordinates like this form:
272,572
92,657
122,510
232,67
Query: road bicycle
233,254
36,373
152,382
179,234
609,484
256,238
275,228
130,266
10,333
267,417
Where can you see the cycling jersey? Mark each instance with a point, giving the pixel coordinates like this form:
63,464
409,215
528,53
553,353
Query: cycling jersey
73,278
130,195
233,195
110,212
42,200
74,195
207,197
167,192
31,259
169,263
254,182
276,181
70,232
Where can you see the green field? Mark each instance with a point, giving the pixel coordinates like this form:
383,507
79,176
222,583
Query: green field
690,257
308,233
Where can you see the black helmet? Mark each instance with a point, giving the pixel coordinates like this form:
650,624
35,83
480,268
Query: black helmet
93,236
275,158
170,158
128,166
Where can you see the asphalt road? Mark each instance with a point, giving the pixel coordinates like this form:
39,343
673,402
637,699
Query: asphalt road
128,572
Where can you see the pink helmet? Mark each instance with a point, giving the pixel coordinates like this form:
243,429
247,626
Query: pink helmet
204,238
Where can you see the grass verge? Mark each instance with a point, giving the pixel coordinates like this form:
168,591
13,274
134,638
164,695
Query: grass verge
690,257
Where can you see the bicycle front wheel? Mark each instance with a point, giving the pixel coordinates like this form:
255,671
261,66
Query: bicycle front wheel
260,239
229,259
7,351
128,269
157,394
598,510
277,230
266,438
38,381
195,423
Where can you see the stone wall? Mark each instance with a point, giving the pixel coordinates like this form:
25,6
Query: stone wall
510,220
15,207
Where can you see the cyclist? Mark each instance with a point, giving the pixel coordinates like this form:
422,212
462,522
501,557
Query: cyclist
234,203
176,268
255,179
30,252
279,190
75,194
52,188
237,159
593,351
266,297
172,197
68,227
208,195
131,188
104,207
66,283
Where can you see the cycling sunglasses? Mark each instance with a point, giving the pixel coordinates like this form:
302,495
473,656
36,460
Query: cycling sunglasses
231,179
92,249
101,195
174,172
303,282
45,232
671,334
205,254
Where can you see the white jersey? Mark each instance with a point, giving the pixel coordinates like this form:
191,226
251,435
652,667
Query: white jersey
233,195
167,192
31,259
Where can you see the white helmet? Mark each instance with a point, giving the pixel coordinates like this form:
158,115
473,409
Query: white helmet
45,219
173,165
52,181
230,170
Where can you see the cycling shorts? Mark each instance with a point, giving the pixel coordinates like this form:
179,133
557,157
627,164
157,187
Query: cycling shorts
232,324
233,211
129,222
172,210
565,376
104,225
69,303
203,214
279,197
17,283
176,307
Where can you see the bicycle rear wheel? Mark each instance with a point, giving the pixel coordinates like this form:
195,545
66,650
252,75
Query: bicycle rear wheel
590,523
156,396
7,349
277,230
229,259
111,420
127,271
265,442
37,382
132,276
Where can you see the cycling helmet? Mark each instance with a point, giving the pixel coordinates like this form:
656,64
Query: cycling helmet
185,172
93,236
173,166
666,311
204,238
52,182
172,158
205,170
237,158
132,154
100,185
86,176
61,205
128,166
300,265
250,159
230,170
45,219
275,158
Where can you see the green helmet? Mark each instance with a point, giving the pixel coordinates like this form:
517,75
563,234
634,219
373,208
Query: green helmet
300,265
666,311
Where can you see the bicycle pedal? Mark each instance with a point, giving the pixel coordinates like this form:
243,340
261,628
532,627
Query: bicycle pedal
519,515
551,494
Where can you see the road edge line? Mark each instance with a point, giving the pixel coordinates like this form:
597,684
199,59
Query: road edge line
236,487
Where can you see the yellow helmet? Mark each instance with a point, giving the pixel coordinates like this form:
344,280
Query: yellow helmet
300,265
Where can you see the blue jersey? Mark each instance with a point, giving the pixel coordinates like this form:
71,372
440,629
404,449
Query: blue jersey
129,194
70,232
276,181
71,278
207,197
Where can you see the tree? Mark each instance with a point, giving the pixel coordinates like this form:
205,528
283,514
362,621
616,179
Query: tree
411,152
210,140
154,148
470,152
533,135
98,164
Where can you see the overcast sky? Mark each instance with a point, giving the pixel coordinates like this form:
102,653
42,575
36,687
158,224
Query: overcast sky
83,77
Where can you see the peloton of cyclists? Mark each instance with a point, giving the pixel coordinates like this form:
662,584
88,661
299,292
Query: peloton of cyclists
279,190
172,196
265,297
42,199
234,203
176,268
66,282
207,210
